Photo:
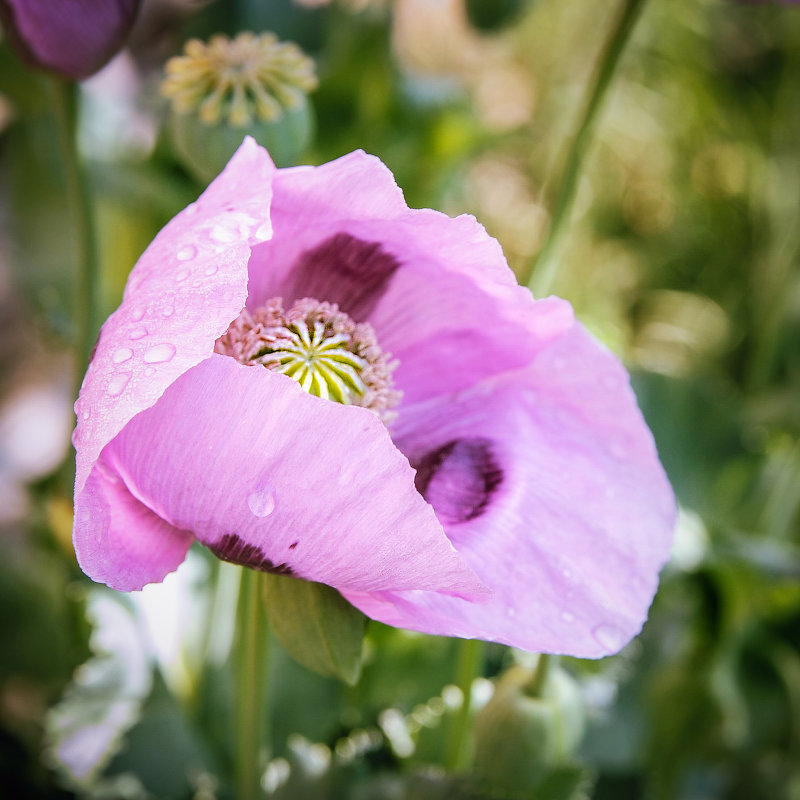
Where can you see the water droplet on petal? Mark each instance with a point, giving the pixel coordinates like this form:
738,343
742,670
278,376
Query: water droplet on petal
192,209
85,415
619,449
567,616
186,253
159,353
211,269
168,311
137,313
223,233
118,383
137,333
512,612
262,501
609,636
122,355
181,275
149,372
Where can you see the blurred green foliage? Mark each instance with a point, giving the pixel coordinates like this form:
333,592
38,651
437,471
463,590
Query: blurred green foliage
682,256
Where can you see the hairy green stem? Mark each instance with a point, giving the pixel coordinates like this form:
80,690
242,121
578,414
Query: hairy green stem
469,664
87,283
250,733
544,268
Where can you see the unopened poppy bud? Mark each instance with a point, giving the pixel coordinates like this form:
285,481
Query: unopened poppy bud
228,88
519,738
72,38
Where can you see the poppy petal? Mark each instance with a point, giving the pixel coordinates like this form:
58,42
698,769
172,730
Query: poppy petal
548,484
269,476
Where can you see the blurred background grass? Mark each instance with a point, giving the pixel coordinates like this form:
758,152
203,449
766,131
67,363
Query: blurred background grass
682,256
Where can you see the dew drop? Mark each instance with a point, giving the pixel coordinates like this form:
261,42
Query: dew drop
159,353
211,269
186,253
181,275
122,355
530,396
619,449
192,209
222,233
118,383
137,313
609,636
262,501
512,612
149,372
168,311
567,616
137,333
85,415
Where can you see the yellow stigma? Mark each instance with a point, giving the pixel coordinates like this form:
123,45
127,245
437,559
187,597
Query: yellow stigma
239,79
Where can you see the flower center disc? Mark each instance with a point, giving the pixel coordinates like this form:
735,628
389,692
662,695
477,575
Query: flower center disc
320,347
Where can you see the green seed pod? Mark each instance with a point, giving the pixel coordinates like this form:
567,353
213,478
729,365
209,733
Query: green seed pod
520,738
227,89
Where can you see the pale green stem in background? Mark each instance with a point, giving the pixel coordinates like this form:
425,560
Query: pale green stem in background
544,268
87,283
469,665
250,718
540,675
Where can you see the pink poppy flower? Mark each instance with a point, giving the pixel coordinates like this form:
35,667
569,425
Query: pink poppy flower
488,473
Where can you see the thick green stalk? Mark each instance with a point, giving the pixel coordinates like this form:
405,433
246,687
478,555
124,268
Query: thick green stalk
469,665
540,675
545,266
250,733
87,282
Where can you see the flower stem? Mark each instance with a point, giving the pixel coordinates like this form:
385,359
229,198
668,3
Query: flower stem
545,266
250,733
468,667
540,675
85,301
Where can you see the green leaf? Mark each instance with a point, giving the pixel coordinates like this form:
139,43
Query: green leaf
316,626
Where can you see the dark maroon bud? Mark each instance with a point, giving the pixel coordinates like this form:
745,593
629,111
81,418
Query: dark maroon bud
72,38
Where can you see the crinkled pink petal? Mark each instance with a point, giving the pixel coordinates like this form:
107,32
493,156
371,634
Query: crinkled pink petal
120,541
553,494
181,296
269,476
437,290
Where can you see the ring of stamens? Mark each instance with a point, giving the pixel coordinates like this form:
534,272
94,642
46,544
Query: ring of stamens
320,347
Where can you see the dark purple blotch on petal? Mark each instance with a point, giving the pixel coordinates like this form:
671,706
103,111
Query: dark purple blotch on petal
344,270
233,548
458,479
